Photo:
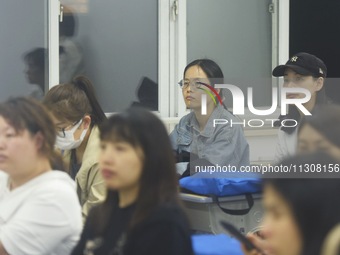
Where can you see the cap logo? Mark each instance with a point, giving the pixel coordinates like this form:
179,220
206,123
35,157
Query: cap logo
293,59
320,71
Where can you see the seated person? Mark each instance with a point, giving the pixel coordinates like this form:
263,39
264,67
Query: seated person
39,208
306,71
320,131
196,133
299,212
142,214
77,114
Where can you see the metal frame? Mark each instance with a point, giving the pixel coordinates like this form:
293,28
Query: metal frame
164,58
172,49
280,44
53,42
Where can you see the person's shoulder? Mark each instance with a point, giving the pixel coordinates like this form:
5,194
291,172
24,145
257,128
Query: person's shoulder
224,113
166,217
167,226
55,183
95,132
186,119
169,213
94,139
53,190
57,176
183,126
92,146
185,122
225,121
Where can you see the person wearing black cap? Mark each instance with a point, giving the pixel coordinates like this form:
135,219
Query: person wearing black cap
302,70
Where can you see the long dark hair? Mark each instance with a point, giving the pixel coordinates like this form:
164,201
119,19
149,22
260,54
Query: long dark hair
314,202
158,182
326,120
210,68
28,114
71,101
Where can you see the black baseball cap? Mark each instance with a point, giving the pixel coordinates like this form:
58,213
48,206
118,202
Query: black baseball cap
304,64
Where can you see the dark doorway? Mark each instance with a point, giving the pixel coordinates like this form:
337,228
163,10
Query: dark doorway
315,28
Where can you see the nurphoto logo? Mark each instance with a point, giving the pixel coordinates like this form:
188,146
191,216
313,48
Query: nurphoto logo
239,102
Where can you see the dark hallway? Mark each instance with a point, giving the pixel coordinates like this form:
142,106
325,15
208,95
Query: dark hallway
315,28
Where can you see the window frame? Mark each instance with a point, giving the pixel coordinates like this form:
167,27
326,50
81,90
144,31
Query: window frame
172,49
53,42
280,45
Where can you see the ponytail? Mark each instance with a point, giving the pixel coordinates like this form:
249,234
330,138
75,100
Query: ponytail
84,84
71,101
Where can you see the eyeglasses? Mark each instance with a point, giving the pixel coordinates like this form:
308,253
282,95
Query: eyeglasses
184,84
61,131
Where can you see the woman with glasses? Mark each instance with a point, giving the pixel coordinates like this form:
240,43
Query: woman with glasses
39,207
197,134
77,114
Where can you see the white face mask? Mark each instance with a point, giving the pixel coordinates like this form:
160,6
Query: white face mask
67,142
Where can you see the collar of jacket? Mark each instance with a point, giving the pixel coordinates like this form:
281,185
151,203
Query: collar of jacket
208,131
90,156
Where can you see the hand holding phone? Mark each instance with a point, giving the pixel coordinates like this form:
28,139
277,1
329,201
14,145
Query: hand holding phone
239,236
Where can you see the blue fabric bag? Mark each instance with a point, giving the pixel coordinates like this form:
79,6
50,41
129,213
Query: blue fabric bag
215,245
222,185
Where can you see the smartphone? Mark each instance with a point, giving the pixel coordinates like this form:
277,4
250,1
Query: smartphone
239,236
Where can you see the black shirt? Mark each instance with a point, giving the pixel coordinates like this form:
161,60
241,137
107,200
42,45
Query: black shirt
164,232
112,239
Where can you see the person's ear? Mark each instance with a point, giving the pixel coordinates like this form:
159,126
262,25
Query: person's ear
319,83
87,121
39,140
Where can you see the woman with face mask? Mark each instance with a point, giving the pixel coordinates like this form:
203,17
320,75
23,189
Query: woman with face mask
77,114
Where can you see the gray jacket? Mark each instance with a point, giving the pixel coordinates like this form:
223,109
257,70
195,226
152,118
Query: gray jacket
223,144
